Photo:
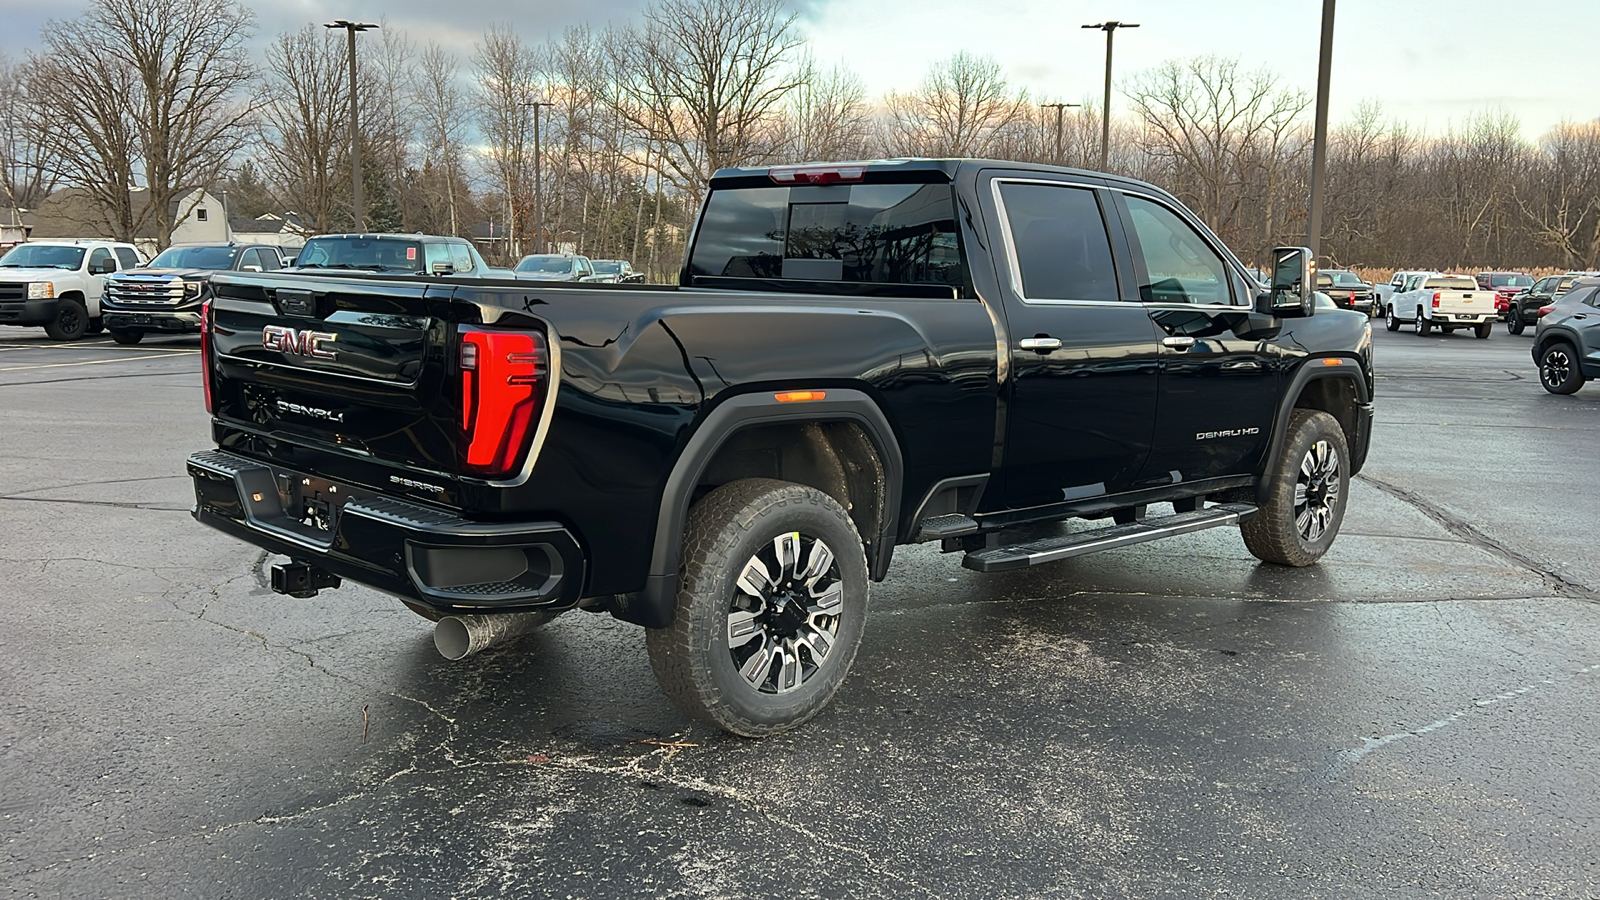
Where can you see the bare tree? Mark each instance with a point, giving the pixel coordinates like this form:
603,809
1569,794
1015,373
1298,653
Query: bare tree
507,77
147,93
706,80
827,113
1220,133
1563,201
439,100
29,160
305,145
961,108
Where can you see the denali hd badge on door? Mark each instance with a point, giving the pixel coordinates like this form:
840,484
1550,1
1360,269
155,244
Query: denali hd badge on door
301,343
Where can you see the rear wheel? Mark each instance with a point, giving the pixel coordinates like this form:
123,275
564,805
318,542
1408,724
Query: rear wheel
1483,330
1389,321
1306,498
1559,371
126,337
770,609
72,319
1424,327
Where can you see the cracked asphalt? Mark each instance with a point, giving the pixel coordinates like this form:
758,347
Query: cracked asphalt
1413,717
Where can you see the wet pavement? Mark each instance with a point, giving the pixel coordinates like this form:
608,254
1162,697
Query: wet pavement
1414,717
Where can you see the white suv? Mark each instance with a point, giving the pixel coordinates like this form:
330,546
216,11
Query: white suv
58,284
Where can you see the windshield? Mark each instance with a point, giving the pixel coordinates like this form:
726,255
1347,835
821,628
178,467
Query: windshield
1347,279
545,265
375,254
1452,284
195,258
42,256
1511,281
607,267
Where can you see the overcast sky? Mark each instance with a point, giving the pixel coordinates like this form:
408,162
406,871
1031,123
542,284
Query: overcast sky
1430,62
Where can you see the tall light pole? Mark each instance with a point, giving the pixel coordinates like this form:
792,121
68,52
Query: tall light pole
538,175
1058,107
355,122
1105,108
1319,139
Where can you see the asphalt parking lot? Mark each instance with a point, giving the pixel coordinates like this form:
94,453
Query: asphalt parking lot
1413,717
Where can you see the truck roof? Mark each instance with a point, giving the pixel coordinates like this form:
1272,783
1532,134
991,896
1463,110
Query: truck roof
912,169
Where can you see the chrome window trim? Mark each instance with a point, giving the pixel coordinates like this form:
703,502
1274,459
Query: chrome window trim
1206,237
1015,266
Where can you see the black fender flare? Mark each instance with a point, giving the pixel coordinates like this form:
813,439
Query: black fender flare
1311,370
653,607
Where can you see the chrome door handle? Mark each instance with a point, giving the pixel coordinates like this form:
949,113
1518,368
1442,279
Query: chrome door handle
1178,343
1040,344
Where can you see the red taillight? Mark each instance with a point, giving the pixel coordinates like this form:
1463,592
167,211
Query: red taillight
502,376
1545,310
817,174
1435,299
205,354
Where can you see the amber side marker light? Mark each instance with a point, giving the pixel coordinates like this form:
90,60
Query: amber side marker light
1330,361
799,396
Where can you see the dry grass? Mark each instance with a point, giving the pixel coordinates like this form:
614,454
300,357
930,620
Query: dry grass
1382,276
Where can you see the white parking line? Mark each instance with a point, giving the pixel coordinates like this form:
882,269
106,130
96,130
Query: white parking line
96,362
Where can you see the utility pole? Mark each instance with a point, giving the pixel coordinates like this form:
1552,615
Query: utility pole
1319,139
1105,108
1058,107
355,121
538,176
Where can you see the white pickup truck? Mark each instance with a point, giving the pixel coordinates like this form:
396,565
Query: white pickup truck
58,284
1432,300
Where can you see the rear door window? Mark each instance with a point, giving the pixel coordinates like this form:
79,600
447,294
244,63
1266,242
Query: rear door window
852,233
1058,236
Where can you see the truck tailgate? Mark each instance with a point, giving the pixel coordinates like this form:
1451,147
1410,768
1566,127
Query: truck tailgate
355,366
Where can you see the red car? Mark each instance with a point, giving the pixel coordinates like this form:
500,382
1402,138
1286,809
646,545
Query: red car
1505,286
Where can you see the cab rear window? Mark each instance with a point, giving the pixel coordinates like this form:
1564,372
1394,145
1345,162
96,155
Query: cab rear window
1451,284
872,234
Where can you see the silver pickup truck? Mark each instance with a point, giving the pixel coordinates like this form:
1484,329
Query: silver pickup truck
1432,300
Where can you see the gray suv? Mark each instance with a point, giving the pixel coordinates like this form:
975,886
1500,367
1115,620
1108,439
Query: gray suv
1567,343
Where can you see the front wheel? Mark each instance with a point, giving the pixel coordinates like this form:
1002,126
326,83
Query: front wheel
1559,371
71,320
1483,330
126,338
770,608
1306,498
1514,322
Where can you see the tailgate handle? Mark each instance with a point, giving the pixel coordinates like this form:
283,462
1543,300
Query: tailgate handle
296,303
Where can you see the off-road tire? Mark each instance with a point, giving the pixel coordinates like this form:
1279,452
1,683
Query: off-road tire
71,321
692,657
1560,371
126,338
1514,324
1390,323
1273,535
1482,331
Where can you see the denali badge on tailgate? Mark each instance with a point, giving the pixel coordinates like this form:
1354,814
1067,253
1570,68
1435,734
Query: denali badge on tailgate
304,343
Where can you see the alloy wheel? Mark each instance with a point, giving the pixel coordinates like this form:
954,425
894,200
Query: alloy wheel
1556,367
1317,490
783,621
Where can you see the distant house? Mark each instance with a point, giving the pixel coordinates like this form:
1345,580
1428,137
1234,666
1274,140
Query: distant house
287,230
70,213
14,226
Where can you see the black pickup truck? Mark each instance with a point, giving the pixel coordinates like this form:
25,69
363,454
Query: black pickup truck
857,356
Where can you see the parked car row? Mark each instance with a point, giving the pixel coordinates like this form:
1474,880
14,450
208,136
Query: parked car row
572,267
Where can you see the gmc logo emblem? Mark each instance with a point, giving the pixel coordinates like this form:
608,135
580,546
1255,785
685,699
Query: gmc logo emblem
301,343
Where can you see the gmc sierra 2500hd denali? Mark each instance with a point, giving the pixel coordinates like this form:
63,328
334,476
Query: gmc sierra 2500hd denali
857,356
